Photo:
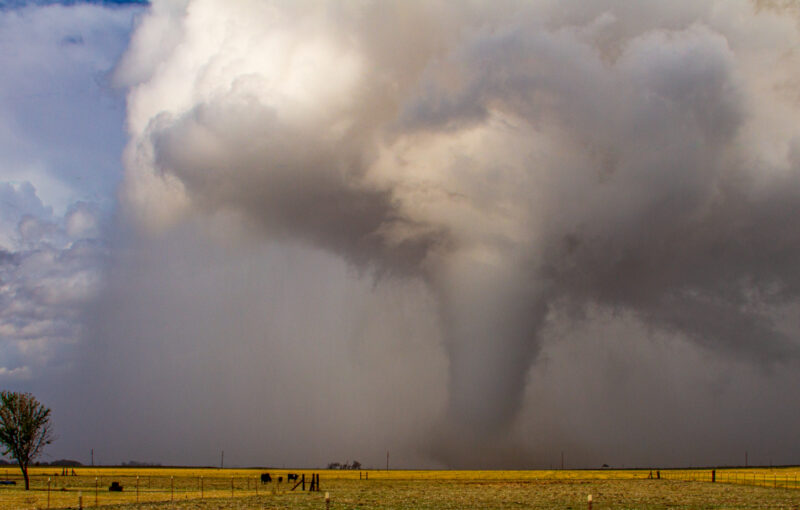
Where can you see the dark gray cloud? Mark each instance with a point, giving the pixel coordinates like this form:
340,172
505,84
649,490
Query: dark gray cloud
301,195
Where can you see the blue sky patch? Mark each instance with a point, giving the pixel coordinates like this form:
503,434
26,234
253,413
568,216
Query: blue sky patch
16,4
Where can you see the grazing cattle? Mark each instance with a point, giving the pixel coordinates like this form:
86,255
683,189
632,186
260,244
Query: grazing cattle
280,479
265,478
291,477
115,487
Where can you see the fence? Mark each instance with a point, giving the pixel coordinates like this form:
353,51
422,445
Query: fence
757,478
56,490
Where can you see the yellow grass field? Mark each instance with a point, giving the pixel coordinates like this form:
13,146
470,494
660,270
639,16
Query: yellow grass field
185,488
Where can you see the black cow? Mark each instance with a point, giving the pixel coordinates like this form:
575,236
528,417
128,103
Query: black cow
291,477
265,478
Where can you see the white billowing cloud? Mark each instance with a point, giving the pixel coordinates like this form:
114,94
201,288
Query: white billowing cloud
82,221
18,200
50,268
526,161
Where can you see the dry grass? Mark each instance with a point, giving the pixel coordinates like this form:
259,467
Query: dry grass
435,490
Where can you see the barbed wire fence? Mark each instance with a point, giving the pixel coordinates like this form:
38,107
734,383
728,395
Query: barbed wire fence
87,491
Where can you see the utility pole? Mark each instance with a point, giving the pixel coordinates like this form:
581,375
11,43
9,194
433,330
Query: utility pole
745,458
92,456
222,460
562,460
387,461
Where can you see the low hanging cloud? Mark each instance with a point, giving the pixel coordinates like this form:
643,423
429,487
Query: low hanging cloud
530,164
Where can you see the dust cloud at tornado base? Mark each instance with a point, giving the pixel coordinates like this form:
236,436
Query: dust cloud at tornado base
478,235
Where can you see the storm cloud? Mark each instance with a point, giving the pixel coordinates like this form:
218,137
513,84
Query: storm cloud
535,172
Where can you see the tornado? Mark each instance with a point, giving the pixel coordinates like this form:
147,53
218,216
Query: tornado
516,158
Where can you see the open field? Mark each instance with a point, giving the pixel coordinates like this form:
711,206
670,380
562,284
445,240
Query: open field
239,489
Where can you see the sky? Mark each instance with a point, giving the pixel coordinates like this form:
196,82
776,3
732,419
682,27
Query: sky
469,234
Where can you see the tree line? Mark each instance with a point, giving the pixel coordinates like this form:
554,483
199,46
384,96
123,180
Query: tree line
347,465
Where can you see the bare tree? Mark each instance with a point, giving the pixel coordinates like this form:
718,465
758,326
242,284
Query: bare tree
25,428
